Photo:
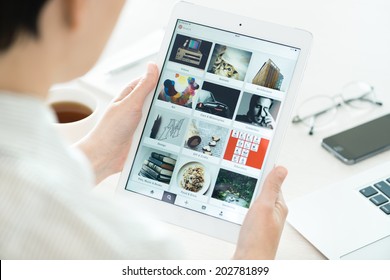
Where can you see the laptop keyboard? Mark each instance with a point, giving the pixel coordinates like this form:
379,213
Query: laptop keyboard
379,195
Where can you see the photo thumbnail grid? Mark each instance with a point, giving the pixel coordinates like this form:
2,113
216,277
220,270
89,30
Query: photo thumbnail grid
236,146
256,68
210,139
192,92
195,178
215,79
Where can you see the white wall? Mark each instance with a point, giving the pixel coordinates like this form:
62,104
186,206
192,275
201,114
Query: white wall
351,38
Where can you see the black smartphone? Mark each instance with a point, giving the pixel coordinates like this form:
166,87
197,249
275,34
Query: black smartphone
360,142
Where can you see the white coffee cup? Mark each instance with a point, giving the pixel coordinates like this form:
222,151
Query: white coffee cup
72,99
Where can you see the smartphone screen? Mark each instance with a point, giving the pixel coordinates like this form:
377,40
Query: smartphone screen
360,142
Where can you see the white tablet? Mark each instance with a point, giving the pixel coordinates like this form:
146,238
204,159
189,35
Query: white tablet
213,127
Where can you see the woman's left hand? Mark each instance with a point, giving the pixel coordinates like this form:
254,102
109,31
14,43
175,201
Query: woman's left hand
108,144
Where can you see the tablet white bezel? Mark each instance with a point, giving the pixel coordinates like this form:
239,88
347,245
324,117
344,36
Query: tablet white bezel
241,25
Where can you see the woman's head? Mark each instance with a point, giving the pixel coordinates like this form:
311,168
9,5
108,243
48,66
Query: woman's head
72,33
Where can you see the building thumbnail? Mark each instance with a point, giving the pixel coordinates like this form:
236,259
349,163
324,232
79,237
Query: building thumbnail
269,76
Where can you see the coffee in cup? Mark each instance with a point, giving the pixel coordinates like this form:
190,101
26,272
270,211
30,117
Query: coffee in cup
76,111
70,111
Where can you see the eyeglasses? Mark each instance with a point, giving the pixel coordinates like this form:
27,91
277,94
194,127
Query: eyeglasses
320,110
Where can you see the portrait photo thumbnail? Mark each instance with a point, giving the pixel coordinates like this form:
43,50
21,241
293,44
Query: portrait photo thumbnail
255,109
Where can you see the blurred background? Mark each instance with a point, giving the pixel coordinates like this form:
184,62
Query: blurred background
351,39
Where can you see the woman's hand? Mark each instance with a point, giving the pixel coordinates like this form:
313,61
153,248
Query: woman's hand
264,222
109,142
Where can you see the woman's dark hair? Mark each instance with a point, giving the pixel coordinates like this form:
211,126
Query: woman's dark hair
18,17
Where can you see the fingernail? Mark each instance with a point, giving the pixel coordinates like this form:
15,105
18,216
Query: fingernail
150,68
281,171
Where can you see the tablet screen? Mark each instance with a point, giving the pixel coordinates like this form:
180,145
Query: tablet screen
212,119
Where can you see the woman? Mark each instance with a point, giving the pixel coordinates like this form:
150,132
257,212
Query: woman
47,209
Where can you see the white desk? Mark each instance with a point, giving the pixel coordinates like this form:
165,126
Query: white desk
350,43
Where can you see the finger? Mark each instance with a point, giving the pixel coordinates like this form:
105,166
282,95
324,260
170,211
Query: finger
127,90
271,191
145,85
280,200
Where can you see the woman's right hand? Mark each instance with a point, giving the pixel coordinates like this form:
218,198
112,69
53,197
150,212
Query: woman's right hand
263,225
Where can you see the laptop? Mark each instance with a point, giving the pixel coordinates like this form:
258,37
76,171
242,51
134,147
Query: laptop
350,219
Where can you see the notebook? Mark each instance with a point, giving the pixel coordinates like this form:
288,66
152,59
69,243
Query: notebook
350,219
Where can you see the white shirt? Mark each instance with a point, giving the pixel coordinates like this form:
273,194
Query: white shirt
47,208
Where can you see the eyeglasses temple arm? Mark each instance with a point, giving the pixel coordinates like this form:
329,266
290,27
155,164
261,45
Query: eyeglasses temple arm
312,122
298,119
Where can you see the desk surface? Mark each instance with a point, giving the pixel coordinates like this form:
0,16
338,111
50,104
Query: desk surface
349,44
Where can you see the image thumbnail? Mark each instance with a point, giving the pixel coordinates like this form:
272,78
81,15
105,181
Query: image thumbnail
258,110
194,177
234,188
229,62
271,71
206,138
178,89
217,100
269,76
166,126
246,149
157,166
190,51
